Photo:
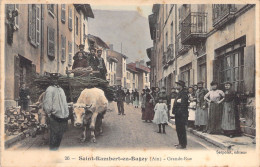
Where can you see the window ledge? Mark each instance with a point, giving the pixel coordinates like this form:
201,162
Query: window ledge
63,21
52,14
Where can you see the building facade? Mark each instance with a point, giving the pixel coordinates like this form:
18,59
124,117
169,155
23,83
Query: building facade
209,42
41,39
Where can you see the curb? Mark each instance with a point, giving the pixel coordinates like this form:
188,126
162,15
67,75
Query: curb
206,137
20,136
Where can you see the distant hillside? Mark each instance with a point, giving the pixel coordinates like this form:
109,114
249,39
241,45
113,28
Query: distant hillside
127,27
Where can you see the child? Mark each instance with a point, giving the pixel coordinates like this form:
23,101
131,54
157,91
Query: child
160,117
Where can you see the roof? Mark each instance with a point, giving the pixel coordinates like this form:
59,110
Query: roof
98,41
156,8
86,9
152,24
113,59
119,53
132,66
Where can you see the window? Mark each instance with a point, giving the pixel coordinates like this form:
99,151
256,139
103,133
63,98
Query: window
232,69
51,42
34,24
51,9
146,78
63,48
16,19
84,32
70,19
63,13
70,53
77,25
202,70
185,74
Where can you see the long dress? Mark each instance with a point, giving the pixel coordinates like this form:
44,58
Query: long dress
127,97
136,99
160,116
143,95
149,112
201,115
215,111
192,107
228,117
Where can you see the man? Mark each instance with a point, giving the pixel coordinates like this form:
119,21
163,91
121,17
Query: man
101,65
93,61
24,95
120,100
180,109
56,107
201,116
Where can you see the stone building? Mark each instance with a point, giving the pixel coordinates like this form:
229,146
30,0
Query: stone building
209,42
42,38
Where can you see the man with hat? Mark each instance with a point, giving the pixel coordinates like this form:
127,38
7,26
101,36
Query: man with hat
93,60
120,100
56,107
101,65
80,58
180,109
24,95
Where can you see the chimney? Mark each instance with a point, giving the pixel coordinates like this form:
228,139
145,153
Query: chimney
142,62
111,46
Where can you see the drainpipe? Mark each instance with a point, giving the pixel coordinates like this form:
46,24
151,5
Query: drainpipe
42,41
58,41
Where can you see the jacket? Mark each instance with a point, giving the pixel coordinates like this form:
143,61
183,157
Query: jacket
181,109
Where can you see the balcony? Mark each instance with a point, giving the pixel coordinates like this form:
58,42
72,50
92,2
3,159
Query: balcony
194,28
180,47
222,14
164,60
170,53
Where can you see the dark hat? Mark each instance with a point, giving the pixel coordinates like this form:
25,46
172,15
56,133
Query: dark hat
81,46
99,49
54,75
213,83
147,90
201,82
228,83
180,82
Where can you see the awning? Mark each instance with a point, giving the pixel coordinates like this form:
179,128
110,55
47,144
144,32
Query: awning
86,9
98,41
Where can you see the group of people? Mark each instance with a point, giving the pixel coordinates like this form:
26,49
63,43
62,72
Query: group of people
132,98
213,112
92,59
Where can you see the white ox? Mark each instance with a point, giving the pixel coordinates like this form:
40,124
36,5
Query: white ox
91,104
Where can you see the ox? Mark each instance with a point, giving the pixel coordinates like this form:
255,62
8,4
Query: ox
89,111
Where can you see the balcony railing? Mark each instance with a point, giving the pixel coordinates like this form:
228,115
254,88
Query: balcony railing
170,52
181,49
194,28
222,13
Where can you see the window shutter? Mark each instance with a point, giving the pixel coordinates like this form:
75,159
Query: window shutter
70,53
16,21
33,25
16,76
30,21
249,69
215,70
70,19
38,24
63,12
63,48
51,44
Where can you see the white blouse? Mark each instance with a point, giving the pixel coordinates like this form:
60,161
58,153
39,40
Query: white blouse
214,95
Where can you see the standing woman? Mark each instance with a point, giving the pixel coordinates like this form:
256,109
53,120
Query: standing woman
143,103
136,98
132,97
149,106
127,97
192,106
215,97
228,118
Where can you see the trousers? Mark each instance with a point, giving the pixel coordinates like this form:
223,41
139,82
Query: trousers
120,106
57,129
181,122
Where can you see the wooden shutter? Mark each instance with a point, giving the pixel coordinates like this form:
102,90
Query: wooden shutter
16,76
70,53
63,48
30,21
249,68
63,12
16,19
51,42
70,19
38,23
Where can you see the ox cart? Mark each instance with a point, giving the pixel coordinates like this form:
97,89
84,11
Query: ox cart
73,86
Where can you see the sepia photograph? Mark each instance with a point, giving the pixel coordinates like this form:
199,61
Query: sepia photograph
90,83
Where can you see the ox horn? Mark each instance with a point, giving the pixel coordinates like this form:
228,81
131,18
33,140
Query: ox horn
88,106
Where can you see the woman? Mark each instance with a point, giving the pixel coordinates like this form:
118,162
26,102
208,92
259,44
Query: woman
191,107
132,97
215,97
127,97
228,117
149,106
161,116
136,98
143,103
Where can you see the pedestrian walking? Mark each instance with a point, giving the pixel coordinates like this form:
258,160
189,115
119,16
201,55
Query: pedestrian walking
191,107
143,103
229,108
160,116
180,109
127,97
136,98
214,97
56,107
120,100
201,115
132,97
149,106
24,95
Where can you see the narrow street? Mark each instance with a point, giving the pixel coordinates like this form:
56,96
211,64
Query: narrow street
127,131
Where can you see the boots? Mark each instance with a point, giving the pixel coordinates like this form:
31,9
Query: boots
159,128
164,128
